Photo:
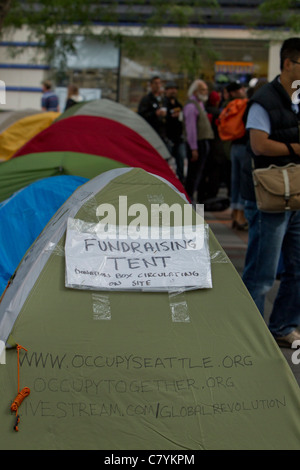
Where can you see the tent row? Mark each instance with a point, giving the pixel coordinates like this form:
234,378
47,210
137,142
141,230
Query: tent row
101,127
186,369
19,127
135,344
85,141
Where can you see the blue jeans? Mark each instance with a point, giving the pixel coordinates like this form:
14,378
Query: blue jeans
272,235
237,157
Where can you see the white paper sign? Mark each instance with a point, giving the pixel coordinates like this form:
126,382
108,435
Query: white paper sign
126,263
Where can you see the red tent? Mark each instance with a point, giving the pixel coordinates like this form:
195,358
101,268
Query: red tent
103,137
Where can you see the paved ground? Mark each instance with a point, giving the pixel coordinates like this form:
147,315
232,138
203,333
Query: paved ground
234,243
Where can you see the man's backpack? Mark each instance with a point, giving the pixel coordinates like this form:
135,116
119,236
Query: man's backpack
230,124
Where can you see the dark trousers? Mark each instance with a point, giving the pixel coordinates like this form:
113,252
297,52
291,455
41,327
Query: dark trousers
195,175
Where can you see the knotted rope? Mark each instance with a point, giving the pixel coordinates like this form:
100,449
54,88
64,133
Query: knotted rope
21,394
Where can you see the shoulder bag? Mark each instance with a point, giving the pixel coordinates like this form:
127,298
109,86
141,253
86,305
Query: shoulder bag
277,188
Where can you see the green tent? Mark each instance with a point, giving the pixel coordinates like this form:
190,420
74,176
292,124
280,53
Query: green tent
18,173
173,369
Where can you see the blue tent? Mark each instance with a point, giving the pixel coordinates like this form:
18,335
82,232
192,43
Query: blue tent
25,214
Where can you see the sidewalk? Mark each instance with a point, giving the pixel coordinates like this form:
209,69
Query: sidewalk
234,243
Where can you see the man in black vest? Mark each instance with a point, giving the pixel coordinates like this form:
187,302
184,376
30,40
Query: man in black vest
174,127
273,124
151,109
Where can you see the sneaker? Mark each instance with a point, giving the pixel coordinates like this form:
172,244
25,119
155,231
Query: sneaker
287,341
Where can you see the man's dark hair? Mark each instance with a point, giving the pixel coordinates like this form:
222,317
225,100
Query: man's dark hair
47,84
154,78
290,49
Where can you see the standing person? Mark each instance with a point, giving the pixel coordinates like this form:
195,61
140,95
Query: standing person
150,107
73,96
174,127
49,100
218,165
235,91
237,156
273,124
198,134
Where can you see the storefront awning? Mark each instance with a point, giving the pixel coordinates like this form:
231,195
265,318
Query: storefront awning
234,67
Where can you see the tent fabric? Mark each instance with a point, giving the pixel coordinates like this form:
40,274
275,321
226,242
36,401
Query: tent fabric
4,115
101,136
25,214
18,173
138,379
111,110
10,117
16,135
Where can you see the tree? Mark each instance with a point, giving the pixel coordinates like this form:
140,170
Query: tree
61,20
5,6
279,15
284,13
49,21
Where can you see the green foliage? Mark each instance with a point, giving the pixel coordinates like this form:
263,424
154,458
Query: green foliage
285,11
49,21
58,21
280,14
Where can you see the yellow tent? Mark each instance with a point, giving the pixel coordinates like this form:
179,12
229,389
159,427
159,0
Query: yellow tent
16,135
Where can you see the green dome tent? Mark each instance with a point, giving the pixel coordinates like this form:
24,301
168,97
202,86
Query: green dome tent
18,173
175,369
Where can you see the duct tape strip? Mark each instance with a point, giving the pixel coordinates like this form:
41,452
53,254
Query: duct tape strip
101,307
215,255
218,256
88,210
55,249
179,307
155,198
2,353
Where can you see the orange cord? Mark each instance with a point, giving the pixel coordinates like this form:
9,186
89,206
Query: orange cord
21,394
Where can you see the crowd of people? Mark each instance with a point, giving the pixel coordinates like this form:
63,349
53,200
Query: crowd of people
50,100
272,125
190,131
203,161
271,119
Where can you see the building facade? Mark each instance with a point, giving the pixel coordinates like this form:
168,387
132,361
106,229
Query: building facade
224,50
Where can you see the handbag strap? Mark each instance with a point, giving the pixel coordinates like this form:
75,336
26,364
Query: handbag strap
286,184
